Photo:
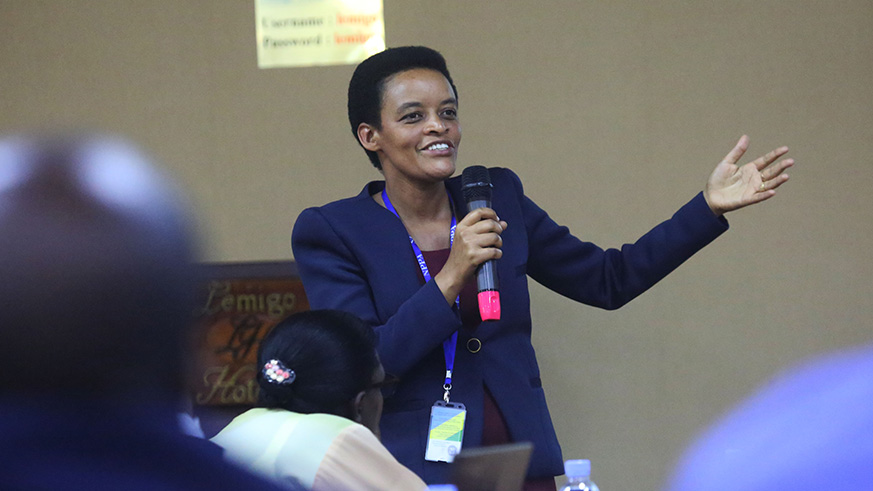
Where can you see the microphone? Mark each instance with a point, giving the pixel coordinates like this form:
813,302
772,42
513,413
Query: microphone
477,186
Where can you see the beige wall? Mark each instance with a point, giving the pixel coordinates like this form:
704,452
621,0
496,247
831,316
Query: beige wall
613,113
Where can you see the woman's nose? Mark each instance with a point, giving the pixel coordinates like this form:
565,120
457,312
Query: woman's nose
437,125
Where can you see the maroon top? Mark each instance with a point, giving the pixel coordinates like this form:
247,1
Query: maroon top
495,431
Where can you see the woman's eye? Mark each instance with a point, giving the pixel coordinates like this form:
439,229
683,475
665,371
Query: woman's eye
411,117
450,113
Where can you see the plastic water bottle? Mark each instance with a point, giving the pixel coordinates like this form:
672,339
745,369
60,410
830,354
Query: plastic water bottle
578,476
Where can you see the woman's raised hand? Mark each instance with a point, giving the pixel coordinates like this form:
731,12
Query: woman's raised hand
477,239
731,187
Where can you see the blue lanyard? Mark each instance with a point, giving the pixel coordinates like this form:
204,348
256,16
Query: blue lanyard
450,344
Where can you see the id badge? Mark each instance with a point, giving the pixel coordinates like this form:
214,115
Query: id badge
446,431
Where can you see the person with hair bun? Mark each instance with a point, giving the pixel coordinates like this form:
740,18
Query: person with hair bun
319,404
403,255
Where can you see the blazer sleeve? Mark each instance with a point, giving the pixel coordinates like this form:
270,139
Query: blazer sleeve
335,278
609,278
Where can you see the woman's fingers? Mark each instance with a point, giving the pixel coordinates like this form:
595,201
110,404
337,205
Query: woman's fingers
739,149
482,228
776,170
481,239
478,234
763,161
478,215
486,226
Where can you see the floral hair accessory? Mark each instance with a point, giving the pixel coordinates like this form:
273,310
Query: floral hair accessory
276,372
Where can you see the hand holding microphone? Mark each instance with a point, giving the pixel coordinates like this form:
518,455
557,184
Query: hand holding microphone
477,241
477,187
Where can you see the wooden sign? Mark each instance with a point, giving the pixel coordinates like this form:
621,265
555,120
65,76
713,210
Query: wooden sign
239,304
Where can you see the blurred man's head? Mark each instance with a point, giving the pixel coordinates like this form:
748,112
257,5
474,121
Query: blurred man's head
96,258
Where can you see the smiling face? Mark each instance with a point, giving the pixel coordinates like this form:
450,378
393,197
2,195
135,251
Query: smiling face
420,132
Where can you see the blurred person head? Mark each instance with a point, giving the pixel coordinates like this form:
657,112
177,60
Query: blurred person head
96,258
810,423
367,85
322,361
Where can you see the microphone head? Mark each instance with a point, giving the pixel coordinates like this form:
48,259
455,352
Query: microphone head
476,183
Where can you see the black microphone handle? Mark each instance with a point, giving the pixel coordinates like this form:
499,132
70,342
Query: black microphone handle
486,276
486,273
479,203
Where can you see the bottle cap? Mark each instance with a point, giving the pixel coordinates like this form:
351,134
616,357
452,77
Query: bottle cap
577,468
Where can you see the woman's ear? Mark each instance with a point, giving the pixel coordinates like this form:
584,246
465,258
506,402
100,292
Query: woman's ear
357,405
368,135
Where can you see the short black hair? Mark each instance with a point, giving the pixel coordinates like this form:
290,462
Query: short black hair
333,356
368,83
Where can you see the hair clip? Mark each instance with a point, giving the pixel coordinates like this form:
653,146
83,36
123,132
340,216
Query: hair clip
276,372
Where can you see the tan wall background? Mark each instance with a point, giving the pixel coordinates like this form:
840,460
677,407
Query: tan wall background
613,113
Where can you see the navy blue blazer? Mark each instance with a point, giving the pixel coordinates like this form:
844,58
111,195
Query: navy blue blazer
354,255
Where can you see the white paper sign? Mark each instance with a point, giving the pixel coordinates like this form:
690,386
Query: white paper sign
292,33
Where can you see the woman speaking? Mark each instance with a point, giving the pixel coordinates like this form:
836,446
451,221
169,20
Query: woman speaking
403,254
